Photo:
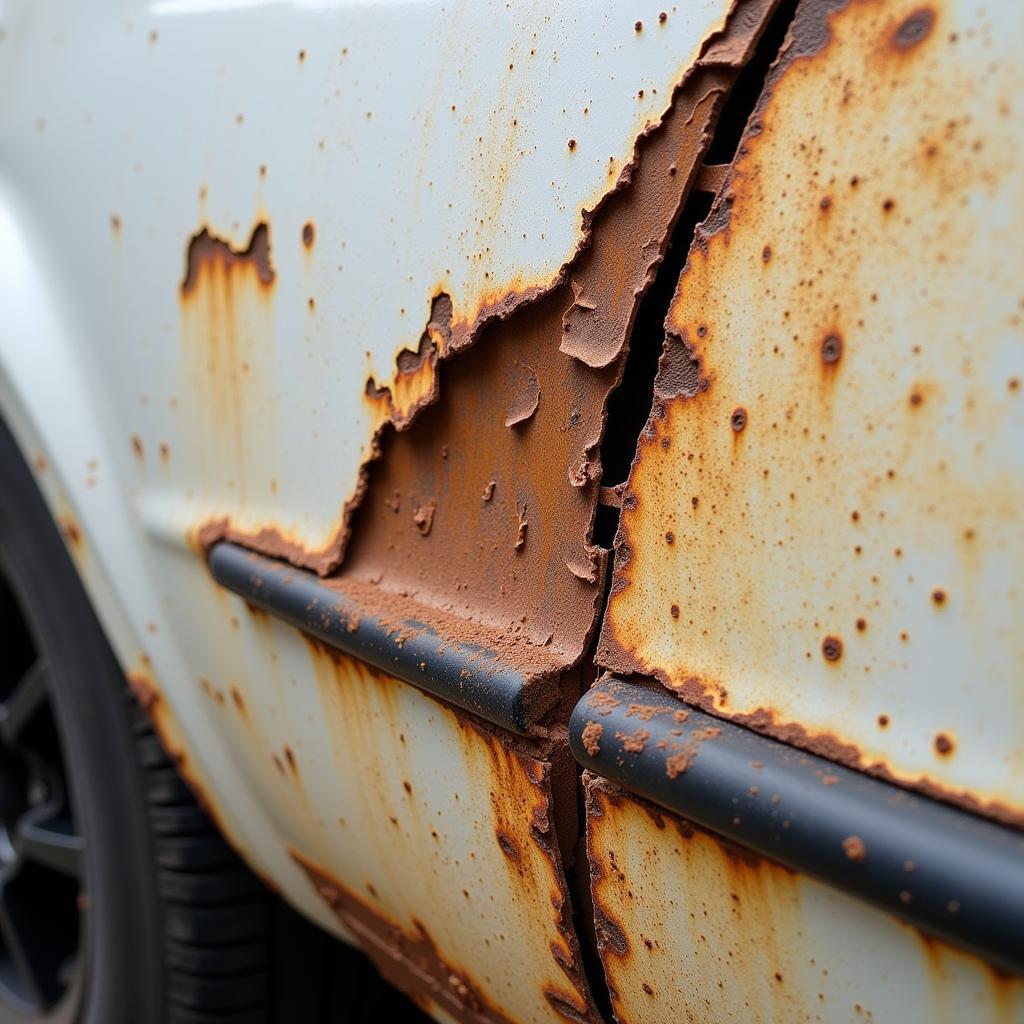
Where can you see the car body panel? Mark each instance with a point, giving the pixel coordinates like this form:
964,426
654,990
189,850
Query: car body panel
696,928
821,538
247,250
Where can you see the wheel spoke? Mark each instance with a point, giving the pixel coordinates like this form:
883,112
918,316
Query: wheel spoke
21,946
51,842
24,700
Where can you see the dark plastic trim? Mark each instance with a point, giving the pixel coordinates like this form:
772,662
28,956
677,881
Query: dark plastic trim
950,872
467,675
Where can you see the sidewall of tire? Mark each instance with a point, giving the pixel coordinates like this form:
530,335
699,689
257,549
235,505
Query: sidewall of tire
122,927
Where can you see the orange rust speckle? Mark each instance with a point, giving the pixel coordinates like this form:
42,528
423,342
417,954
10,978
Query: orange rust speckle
674,610
883,721
115,222
938,596
137,446
308,234
662,18
638,27
572,144
165,451
302,56
861,624
738,420
855,849
943,745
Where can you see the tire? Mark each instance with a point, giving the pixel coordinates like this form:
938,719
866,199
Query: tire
155,916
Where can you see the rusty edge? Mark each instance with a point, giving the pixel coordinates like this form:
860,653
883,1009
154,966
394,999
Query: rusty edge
443,336
952,874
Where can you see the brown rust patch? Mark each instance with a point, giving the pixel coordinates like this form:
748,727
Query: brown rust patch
590,737
206,249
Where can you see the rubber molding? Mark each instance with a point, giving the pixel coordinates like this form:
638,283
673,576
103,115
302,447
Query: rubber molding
467,675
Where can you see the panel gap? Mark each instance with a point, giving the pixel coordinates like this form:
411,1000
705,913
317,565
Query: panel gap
746,92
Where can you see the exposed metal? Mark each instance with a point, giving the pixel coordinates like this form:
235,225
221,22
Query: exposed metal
821,534
470,675
693,928
952,873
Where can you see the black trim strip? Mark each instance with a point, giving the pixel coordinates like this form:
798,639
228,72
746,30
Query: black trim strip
467,675
948,871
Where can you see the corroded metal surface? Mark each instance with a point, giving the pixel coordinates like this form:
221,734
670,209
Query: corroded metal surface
391,166
821,532
432,840
693,928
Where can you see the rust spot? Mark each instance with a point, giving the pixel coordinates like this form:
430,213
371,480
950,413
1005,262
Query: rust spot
674,610
638,26
572,144
832,648
308,234
738,420
115,223
633,743
913,29
938,597
206,249
137,446
855,849
943,745
883,721
831,349
508,845
290,758
679,761
662,18
591,738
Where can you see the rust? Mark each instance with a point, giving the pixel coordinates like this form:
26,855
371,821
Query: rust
680,760
832,648
914,29
308,234
855,849
423,516
137,446
525,399
738,420
408,957
622,241
591,738
634,743
838,418
207,249
943,745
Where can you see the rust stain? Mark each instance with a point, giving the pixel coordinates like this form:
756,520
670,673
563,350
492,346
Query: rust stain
717,933
407,957
520,805
824,444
